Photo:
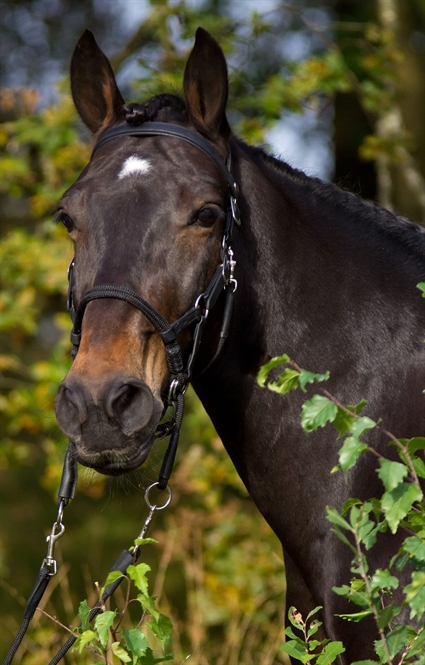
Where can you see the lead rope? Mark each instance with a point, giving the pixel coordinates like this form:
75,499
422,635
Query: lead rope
48,567
126,558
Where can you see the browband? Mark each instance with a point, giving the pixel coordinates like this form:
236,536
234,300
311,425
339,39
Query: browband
176,131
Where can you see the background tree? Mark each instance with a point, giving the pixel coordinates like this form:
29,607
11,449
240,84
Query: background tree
218,569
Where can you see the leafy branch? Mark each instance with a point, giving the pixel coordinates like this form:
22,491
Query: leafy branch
400,507
110,641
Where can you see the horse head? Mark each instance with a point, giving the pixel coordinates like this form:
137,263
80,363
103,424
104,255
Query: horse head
146,217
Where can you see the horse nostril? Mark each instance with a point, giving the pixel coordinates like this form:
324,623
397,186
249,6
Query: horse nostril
71,410
76,399
131,403
124,396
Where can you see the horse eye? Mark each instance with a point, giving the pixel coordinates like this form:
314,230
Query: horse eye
66,220
207,216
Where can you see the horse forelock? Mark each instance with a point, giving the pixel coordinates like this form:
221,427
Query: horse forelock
165,107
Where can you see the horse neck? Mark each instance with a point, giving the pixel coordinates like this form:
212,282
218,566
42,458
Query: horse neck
307,245
313,267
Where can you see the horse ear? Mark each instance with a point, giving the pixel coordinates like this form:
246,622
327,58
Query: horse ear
94,89
206,87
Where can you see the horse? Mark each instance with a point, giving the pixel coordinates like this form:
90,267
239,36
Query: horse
171,214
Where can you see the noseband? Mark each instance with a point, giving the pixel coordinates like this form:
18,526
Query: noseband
222,279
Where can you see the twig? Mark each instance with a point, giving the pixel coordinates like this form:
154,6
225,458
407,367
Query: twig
355,415
369,590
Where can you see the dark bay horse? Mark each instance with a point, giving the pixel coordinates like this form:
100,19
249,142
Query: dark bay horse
321,275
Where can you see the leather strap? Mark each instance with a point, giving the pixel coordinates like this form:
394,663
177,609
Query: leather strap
173,131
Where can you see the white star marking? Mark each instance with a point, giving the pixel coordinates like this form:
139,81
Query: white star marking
134,164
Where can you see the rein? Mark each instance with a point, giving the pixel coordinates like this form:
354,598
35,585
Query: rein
180,374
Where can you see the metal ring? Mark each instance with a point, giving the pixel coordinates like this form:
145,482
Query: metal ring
155,507
197,301
61,506
172,391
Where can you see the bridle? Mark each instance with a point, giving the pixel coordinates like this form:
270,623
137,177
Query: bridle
222,279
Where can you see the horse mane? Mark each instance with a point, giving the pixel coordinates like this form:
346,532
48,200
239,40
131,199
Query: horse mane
329,197
168,107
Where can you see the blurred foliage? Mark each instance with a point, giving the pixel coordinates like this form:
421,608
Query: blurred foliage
217,568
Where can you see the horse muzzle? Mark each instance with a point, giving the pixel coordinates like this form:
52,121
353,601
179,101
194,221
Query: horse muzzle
111,424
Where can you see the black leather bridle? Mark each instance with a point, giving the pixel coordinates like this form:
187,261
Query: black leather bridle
222,279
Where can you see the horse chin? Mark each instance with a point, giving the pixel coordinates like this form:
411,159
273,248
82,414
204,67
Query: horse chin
113,462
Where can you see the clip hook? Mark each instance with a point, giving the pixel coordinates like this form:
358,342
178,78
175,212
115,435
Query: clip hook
152,508
49,562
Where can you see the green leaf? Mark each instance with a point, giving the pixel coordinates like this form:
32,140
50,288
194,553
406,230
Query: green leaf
382,579
285,382
86,637
396,640
419,466
334,517
348,504
330,653
314,627
350,452
387,614
343,422
120,653
417,643
295,618
290,633
349,592
415,547
361,425
266,369
343,538
162,628
83,614
366,662
297,651
358,408
135,641
368,535
391,473
415,444
310,377
313,644
145,541
313,612
397,503
355,616
149,658
317,412
148,603
112,576
138,575
103,623
415,594
421,287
